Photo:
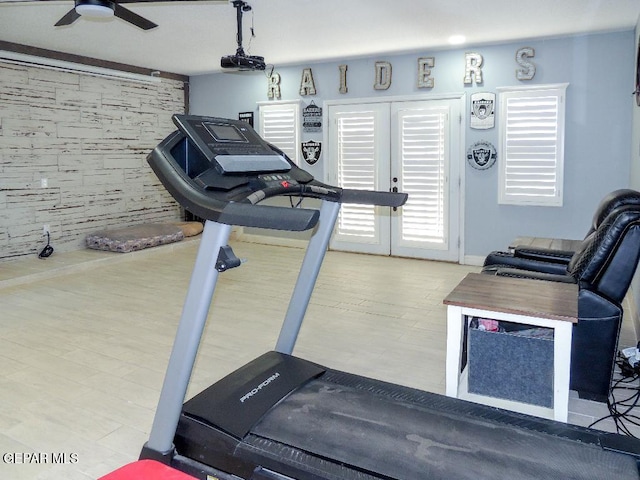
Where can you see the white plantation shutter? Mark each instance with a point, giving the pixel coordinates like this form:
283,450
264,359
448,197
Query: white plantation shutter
279,126
531,156
357,170
406,145
423,175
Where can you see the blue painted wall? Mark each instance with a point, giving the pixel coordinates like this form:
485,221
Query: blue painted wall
599,69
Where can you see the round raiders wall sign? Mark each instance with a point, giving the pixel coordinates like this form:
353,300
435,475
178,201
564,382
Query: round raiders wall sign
481,155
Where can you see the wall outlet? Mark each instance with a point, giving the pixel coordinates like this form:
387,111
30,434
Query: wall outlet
45,229
44,183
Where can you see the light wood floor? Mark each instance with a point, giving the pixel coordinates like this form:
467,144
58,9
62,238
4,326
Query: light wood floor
85,337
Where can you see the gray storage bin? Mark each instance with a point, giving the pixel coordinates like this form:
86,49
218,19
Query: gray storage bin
512,365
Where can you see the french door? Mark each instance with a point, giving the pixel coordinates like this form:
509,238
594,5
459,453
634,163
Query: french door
412,147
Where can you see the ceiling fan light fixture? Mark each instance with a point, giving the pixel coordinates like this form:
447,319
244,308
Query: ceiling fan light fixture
95,8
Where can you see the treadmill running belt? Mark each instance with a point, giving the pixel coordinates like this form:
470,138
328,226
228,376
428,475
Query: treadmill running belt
408,439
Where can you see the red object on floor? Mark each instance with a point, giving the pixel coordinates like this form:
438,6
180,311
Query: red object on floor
146,470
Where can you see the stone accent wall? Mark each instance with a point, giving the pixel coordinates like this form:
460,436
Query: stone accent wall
73,153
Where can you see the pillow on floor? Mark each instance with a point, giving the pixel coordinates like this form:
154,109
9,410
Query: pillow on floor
134,237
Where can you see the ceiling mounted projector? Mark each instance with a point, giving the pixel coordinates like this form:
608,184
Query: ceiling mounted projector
241,62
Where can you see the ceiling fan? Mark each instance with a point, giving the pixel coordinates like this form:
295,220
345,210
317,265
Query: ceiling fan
109,8
103,9
238,62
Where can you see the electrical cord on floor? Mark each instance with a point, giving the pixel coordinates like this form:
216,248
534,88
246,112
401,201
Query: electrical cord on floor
620,410
47,250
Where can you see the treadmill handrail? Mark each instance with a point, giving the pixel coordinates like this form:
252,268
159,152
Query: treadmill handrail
180,186
245,211
371,197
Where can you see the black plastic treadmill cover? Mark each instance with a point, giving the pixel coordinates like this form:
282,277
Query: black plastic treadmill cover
372,427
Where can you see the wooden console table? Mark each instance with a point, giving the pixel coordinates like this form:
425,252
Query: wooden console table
531,302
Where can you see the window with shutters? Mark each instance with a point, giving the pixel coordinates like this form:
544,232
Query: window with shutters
357,162
531,154
424,172
410,146
279,125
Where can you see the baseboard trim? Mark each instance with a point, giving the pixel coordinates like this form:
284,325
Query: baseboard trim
475,260
268,240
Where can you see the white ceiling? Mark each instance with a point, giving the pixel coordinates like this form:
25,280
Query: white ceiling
193,35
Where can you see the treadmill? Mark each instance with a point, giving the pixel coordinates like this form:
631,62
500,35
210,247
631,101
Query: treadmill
281,417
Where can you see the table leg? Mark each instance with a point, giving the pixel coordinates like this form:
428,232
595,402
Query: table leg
455,327
561,370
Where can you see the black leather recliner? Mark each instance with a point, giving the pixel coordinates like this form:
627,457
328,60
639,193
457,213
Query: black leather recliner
603,268
612,201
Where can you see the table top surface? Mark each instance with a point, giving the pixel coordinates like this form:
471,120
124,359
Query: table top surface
550,243
520,296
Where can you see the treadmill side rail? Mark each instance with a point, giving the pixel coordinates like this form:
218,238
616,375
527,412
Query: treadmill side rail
307,276
185,348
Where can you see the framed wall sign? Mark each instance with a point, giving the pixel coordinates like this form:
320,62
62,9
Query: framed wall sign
483,106
246,117
312,118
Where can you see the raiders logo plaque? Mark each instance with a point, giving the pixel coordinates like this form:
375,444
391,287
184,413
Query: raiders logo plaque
483,110
481,155
311,151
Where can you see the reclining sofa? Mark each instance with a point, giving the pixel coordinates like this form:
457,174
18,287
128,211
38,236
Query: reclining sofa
603,268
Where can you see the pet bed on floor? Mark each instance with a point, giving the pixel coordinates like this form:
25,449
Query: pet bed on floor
190,229
135,237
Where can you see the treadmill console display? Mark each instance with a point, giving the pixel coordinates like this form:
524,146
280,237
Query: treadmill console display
225,133
231,146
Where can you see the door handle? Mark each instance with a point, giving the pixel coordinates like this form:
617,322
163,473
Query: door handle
395,190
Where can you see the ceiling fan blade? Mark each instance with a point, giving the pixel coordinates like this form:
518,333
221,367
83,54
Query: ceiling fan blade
69,18
168,1
133,18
